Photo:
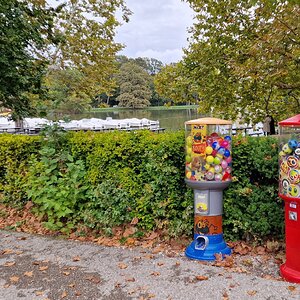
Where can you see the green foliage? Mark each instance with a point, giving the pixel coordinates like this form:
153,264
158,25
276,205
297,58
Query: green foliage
134,85
252,208
25,29
243,58
103,180
56,183
15,152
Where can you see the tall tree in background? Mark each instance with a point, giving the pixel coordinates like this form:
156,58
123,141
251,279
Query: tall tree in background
26,29
173,83
244,57
88,28
134,84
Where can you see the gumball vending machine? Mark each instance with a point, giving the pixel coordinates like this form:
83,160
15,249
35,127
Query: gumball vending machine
289,191
208,172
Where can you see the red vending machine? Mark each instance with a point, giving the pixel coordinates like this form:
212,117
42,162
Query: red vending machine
289,191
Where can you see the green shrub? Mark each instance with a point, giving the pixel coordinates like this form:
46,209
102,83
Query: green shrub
103,180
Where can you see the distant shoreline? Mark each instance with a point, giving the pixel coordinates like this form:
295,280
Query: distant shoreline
110,109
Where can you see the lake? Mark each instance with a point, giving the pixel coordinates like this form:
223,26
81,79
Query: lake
170,119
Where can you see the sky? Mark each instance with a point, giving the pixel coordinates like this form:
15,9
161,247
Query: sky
157,29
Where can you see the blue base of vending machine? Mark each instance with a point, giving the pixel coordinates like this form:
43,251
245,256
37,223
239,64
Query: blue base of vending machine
204,247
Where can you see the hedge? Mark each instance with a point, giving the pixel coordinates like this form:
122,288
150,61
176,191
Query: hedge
102,180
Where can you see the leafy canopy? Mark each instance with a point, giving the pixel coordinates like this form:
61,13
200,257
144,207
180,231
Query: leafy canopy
243,58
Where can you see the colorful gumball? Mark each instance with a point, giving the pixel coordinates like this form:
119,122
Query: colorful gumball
206,166
218,168
214,135
224,164
209,176
218,177
227,138
209,159
292,144
214,153
228,159
217,160
227,153
208,150
226,177
228,170
212,170
215,145
287,149
222,150
224,144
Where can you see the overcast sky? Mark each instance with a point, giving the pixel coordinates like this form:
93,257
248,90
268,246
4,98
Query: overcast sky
157,29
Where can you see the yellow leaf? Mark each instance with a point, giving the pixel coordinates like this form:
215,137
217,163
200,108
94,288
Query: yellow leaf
28,274
14,279
122,266
64,294
9,264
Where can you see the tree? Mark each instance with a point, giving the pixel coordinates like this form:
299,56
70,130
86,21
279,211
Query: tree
64,91
134,86
88,29
244,57
173,83
26,28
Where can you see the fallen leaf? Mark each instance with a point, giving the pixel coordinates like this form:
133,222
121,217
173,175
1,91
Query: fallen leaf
14,279
129,231
160,263
177,264
77,293
6,286
39,293
64,294
71,285
94,279
200,277
291,288
9,264
151,296
152,236
122,265
7,251
260,250
66,273
225,296
155,273
43,268
130,279
242,249
251,293
28,274
134,221
76,258
130,241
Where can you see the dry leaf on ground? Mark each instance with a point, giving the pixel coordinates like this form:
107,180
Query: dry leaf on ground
122,266
28,274
201,277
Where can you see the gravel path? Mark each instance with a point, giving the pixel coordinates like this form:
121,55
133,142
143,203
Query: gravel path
35,267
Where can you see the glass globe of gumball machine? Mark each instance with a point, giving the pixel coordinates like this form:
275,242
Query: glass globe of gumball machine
208,172
289,191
